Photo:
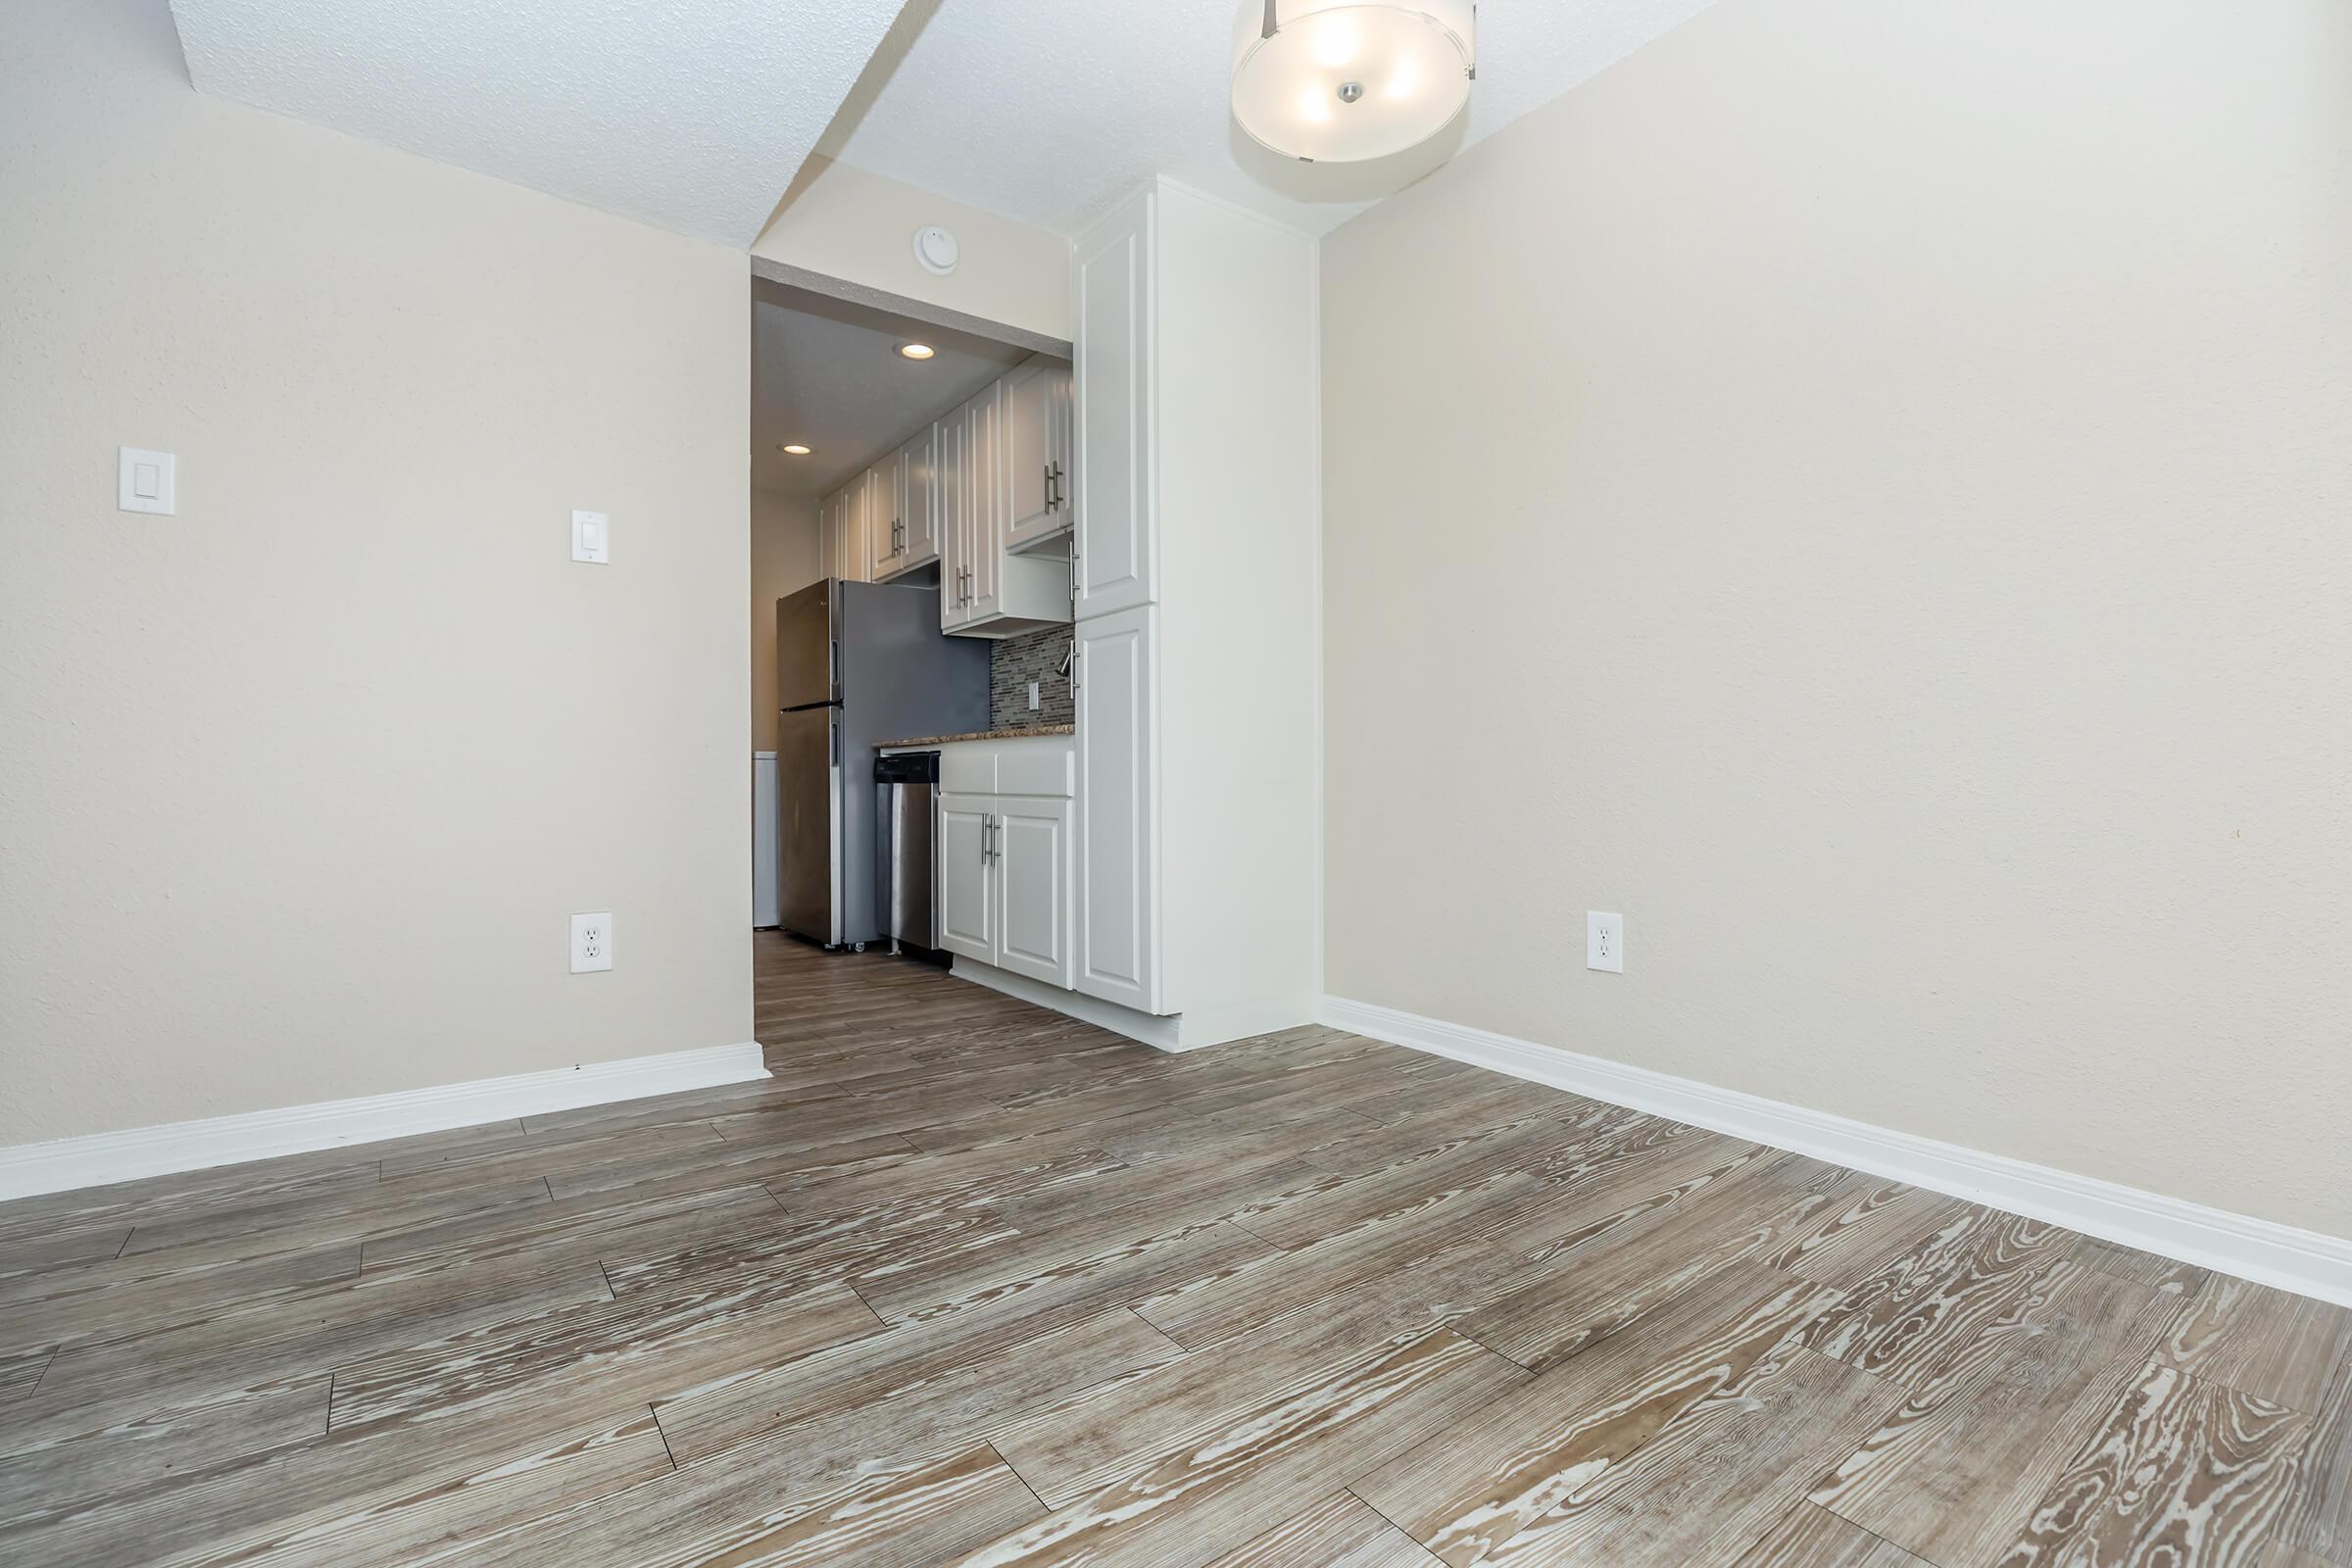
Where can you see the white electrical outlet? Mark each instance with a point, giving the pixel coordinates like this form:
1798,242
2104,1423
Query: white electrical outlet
591,943
1604,942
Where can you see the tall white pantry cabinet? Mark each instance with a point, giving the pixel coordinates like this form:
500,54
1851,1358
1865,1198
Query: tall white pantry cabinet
1196,573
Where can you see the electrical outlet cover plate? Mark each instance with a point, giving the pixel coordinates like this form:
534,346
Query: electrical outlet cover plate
591,943
1604,942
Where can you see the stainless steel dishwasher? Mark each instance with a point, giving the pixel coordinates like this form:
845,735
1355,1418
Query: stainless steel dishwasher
905,888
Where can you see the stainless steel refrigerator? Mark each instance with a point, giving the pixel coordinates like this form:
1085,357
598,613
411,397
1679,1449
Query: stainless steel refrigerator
858,664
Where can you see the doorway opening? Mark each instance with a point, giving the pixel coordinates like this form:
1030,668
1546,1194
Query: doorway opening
910,584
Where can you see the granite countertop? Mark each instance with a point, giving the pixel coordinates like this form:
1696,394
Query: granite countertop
1026,732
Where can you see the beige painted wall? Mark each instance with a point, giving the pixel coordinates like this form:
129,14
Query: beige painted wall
301,787
784,558
850,224
1862,490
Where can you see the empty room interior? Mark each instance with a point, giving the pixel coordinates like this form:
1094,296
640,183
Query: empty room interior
1210,783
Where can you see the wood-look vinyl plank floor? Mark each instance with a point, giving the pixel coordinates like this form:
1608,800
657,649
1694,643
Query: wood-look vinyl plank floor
131,1296
1810,1537
1339,1532
965,1281
2180,1470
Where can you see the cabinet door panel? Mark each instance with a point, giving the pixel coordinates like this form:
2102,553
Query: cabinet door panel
1112,479
856,564
954,475
966,882
1118,785
1029,455
885,486
919,532
1059,446
1032,880
837,536
984,500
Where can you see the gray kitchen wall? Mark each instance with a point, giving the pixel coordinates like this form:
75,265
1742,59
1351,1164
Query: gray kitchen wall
1016,662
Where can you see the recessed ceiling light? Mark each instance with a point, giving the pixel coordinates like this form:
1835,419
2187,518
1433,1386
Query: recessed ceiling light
795,450
917,351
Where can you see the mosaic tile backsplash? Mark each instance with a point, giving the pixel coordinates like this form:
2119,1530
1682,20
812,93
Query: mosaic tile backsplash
1016,662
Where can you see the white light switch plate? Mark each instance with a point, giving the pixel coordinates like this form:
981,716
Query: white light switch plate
1604,942
591,943
592,538
146,481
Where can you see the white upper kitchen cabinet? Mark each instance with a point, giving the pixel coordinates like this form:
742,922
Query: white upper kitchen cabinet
915,540
968,510
844,533
885,507
858,534
1111,278
948,441
1036,455
1197,581
984,501
986,589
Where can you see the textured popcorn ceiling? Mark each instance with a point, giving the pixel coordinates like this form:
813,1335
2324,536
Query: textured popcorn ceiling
693,115
1048,110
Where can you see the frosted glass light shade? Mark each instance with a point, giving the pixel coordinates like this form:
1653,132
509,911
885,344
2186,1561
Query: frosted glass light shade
1341,81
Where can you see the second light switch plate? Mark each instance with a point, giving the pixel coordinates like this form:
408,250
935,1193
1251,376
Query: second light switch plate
592,538
146,481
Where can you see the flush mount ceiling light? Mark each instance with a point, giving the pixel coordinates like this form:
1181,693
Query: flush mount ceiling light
915,351
1337,81
794,450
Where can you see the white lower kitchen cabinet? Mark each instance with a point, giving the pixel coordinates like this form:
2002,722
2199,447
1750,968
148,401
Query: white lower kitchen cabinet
1008,890
1118,931
1032,842
968,923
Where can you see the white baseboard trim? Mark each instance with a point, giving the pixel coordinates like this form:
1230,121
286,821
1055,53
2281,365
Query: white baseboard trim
2305,1262
99,1159
1150,1028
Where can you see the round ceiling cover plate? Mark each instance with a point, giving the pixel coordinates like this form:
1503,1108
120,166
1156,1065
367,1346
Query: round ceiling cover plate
935,248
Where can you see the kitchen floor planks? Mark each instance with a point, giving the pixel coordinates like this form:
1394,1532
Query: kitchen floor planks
965,1280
